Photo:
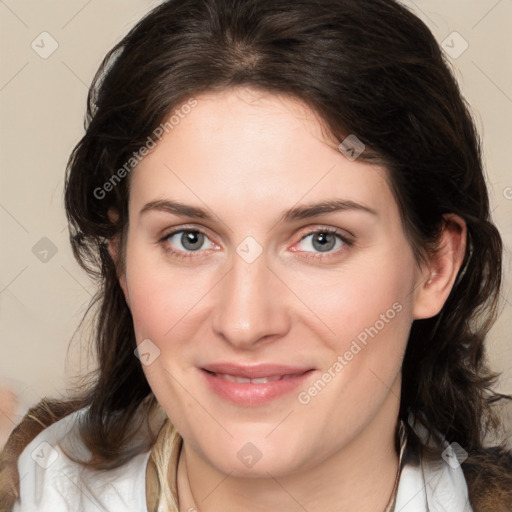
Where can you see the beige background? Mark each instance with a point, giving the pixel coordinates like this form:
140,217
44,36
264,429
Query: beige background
42,104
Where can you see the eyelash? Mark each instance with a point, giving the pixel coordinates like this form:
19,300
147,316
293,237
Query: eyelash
191,254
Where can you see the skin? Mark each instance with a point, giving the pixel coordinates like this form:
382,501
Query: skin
247,156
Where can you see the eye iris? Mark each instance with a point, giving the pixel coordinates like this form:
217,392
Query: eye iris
326,241
192,240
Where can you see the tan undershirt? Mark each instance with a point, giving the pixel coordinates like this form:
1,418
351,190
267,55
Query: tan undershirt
151,486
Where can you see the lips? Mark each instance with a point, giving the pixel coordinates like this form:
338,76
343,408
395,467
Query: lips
253,385
258,371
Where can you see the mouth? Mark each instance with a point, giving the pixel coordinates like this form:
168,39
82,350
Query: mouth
252,386
260,380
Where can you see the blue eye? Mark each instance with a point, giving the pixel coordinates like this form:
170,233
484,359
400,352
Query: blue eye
324,241
192,240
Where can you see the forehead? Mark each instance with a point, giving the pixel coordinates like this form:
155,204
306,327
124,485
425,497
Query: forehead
245,148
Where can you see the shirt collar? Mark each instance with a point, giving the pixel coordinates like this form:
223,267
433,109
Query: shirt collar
426,484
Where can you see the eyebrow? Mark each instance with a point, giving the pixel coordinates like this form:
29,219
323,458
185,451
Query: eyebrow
293,214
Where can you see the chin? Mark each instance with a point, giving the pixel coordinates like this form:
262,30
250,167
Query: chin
248,459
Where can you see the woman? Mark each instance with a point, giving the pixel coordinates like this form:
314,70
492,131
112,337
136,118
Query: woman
285,208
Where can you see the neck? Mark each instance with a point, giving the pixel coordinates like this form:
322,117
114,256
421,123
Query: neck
358,477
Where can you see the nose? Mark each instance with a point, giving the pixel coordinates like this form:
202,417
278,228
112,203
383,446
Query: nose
251,305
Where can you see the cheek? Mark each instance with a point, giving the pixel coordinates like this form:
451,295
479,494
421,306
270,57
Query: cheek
368,298
367,309
161,297
162,303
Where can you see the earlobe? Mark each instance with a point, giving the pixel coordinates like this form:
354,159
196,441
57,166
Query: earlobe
438,276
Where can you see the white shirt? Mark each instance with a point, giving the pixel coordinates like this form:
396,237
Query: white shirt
51,482
428,489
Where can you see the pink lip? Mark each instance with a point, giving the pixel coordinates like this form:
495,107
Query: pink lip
254,394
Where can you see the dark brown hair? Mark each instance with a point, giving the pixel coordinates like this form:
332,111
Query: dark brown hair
366,67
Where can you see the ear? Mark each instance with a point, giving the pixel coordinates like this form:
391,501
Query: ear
439,273
113,245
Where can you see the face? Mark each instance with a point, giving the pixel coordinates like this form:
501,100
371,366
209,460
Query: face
273,329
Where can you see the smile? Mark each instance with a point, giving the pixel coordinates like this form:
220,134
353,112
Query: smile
253,386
